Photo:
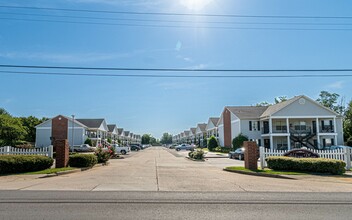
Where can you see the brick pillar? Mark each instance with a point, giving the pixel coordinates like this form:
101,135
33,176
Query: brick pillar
227,128
62,153
250,155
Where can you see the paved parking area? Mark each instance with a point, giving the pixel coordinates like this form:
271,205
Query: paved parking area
156,169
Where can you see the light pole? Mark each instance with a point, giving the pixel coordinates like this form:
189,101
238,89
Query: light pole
73,131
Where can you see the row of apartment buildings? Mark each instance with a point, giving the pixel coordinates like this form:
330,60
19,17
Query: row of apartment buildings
297,122
81,129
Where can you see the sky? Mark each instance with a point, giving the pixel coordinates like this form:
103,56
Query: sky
157,105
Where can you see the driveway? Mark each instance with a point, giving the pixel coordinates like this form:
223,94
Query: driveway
156,169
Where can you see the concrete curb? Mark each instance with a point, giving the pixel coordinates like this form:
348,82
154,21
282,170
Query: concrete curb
260,174
194,159
73,171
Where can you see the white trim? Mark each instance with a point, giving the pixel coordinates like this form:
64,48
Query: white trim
313,117
220,126
43,128
234,121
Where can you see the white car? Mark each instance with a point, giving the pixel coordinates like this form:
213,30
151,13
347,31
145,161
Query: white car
84,148
121,150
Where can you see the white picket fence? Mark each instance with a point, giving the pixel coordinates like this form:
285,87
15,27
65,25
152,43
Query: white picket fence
339,154
45,151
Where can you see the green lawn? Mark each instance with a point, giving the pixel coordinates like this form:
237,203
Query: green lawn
50,171
268,171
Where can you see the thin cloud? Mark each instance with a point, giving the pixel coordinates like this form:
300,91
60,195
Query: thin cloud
336,85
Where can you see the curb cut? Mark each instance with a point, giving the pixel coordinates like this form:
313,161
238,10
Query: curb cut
260,174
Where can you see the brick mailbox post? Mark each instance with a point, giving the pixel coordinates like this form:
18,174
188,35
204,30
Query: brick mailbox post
59,136
250,155
62,153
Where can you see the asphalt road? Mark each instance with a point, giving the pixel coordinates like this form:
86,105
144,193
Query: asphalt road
173,205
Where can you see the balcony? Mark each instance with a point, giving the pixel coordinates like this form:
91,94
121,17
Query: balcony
327,129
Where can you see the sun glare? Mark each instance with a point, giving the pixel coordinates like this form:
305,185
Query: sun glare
195,5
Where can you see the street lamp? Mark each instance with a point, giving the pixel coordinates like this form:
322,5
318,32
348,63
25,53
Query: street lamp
73,131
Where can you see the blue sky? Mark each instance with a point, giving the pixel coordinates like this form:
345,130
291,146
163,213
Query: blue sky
157,105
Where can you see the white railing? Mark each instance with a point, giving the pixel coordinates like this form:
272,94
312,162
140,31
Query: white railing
339,154
45,151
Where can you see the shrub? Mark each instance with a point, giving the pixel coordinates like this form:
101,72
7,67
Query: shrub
237,142
197,154
82,160
89,142
24,163
102,155
212,143
315,165
349,142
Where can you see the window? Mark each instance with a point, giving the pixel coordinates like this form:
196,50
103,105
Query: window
254,125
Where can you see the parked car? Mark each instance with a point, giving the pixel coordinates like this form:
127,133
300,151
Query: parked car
120,149
184,147
135,148
84,148
338,147
237,154
173,146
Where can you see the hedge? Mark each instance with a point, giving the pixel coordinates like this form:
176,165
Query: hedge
82,160
315,165
24,163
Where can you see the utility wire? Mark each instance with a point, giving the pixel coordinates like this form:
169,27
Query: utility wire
171,21
171,69
173,76
175,14
179,26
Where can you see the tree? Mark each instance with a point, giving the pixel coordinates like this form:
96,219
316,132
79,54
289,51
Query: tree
11,130
264,103
29,124
280,99
237,142
154,141
212,143
166,138
146,139
330,100
347,124
4,112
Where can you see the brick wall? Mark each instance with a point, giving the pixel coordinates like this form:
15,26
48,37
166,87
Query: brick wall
59,129
227,128
62,153
250,155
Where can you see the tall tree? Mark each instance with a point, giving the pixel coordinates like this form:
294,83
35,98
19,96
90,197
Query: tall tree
280,99
29,124
11,130
347,124
146,139
166,138
331,101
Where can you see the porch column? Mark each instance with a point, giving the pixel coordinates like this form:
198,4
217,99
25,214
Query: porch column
270,133
317,128
287,125
288,142
335,125
271,142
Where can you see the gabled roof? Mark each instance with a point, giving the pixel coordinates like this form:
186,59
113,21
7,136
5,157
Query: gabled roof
192,131
247,112
277,107
126,133
202,126
68,118
186,133
112,127
214,120
92,123
119,131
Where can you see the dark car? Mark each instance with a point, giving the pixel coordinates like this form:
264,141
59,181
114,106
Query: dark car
237,154
135,148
